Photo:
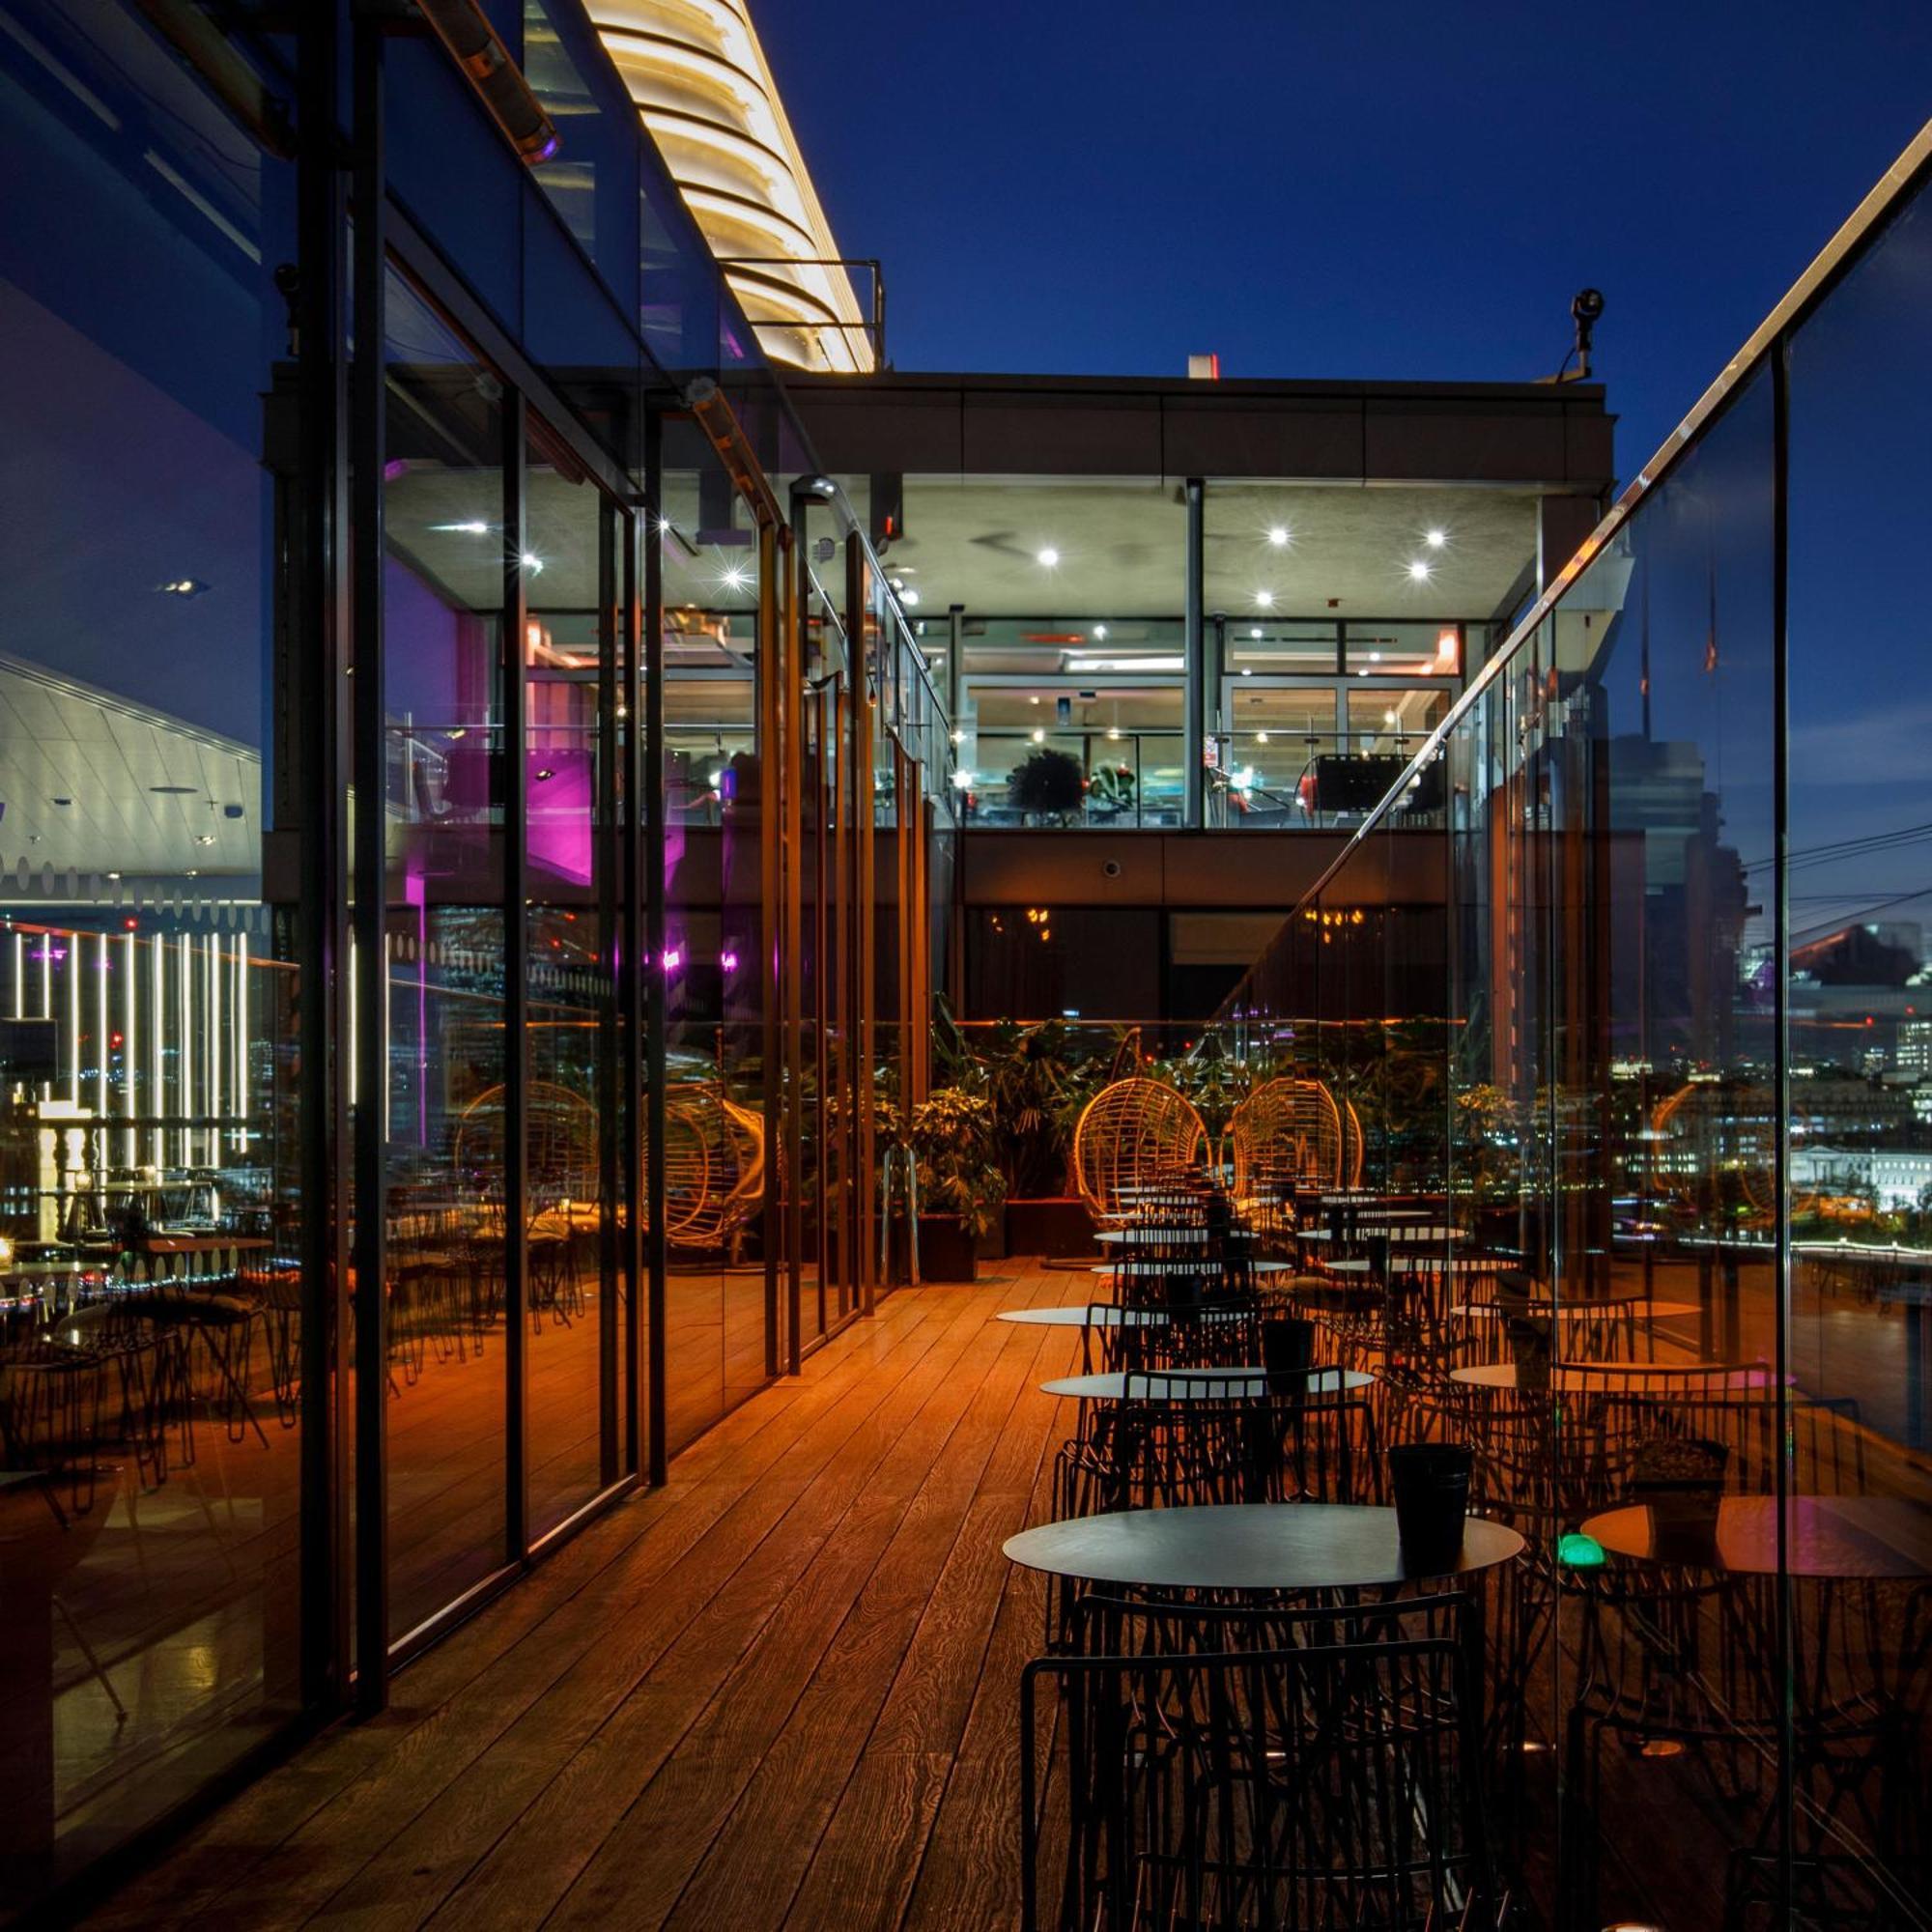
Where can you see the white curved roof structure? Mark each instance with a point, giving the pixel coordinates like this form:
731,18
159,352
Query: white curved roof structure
700,78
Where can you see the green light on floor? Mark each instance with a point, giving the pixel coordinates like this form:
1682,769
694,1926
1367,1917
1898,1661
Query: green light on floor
1578,1552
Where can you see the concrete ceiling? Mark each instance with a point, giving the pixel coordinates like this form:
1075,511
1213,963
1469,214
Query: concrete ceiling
91,784
1121,547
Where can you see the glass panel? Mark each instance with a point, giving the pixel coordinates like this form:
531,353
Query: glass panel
716,1132
443,697
570,669
1383,650
1859,1195
150,1406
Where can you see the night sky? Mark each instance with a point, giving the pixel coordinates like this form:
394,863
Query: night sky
1360,188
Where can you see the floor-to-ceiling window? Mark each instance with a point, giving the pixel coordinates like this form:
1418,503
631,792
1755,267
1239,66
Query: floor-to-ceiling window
151,1407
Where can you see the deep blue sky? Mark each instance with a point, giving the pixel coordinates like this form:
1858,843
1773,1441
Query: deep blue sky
1351,189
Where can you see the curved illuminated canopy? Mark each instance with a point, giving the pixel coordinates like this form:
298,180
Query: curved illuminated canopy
700,80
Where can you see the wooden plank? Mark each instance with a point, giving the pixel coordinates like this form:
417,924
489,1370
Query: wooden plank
687,1735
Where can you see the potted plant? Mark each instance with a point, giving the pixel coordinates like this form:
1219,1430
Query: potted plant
960,1186
1047,786
1037,1092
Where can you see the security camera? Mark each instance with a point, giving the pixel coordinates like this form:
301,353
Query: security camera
1586,306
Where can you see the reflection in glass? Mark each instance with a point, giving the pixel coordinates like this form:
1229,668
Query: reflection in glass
447,1231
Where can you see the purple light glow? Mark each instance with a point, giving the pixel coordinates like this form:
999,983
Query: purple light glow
728,960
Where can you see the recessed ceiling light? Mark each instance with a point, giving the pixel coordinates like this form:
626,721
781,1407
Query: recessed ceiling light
1256,631
1112,731
1388,717
1247,670
546,773
204,839
1435,539
1040,737
181,586
1100,632
958,737
534,563
735,578
1261,737
1266,599
1418,571
1278,536
909,597
1048,557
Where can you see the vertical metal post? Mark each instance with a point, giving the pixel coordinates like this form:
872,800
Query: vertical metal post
1193,795
370,918
610,733
865,908
769,679
652,1003
1781,724
775,551
955,653
317,742
516,986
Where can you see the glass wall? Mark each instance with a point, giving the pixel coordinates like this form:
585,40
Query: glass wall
328,858
720,1103
1660,1074
152,1412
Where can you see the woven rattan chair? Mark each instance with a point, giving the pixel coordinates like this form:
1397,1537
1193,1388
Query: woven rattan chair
1134,1134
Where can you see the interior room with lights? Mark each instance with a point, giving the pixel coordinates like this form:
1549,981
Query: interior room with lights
788,1141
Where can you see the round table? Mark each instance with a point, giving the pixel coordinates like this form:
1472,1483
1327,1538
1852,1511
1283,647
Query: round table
1855,1538
1707,1381
1246,1546
1407,1238
1362,1197
1109,1315
1198,1384
1178,1231
1174,1265
1634,1308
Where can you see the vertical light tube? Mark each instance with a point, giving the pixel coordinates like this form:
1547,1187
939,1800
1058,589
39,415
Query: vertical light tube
72,971
242,1043
100,1034
47,994
214,1053
157,1014
19,975
353,1022
184,1050
130,992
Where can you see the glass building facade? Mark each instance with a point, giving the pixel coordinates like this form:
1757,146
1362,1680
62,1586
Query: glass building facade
1660,1051
431,719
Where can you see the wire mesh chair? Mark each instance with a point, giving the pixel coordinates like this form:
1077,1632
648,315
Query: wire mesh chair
1270,1769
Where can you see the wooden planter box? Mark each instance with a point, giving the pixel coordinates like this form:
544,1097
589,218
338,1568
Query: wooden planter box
1058,1228
945,1249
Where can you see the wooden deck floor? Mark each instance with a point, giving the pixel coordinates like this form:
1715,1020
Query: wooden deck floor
781,1692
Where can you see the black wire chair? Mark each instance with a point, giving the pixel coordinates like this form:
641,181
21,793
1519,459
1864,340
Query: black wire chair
1263,1769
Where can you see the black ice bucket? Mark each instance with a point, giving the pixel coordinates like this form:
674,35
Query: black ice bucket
1430,1484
